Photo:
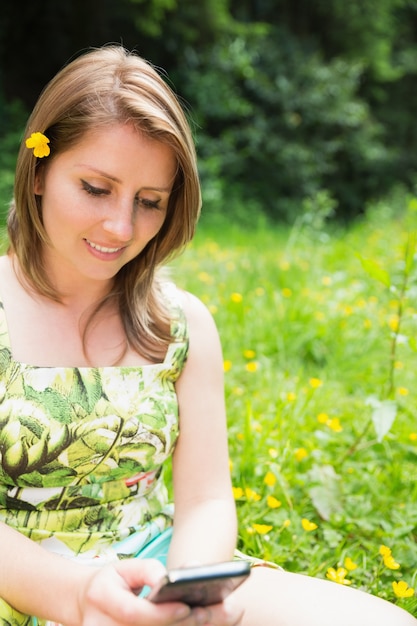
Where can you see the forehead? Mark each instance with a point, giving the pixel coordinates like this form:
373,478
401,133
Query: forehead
123,153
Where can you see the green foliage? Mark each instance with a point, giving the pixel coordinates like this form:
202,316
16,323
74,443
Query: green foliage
290,99
12,119
149,16
282,125
320,388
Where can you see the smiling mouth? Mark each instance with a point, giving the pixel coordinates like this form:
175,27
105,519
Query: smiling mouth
102,248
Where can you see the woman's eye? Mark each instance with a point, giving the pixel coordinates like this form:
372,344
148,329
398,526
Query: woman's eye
148,204
94,191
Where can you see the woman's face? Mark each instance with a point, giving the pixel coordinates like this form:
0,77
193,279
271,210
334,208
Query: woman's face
103,201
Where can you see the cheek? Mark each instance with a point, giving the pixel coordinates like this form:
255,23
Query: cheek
150,223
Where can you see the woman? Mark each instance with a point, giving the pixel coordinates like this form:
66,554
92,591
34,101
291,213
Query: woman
106,370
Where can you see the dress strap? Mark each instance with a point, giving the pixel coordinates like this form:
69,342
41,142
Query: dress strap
178,349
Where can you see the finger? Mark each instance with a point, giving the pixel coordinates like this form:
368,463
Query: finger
110,595
136,572
223,614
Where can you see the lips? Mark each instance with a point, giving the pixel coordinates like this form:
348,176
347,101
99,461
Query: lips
103,249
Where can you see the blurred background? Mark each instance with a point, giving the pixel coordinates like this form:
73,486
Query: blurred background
295,105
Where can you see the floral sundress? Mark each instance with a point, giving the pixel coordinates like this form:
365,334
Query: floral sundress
82,452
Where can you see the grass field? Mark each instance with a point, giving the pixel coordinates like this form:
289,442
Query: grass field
320,359
320,355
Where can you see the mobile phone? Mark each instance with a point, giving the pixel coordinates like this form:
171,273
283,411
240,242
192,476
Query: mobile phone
200,586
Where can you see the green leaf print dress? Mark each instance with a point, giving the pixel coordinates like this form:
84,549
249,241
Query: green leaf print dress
82,452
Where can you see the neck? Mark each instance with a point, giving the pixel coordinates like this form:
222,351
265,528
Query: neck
76,293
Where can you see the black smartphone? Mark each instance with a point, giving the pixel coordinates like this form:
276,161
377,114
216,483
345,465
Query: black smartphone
200,586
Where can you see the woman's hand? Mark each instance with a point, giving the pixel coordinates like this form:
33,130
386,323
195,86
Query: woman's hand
110,599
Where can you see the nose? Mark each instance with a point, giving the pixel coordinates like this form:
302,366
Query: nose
120,223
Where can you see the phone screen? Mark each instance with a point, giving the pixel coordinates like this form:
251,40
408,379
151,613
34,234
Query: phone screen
201,586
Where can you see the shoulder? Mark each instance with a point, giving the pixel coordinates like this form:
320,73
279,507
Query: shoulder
4,264
197,314
204,340
195,320
6,275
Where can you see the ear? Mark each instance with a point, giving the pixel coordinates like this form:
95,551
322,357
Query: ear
38,186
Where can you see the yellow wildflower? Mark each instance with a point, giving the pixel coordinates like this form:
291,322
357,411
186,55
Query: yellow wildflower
227,366
335,425
291,396
273,503
403,391
384,550
300,454
205,277
349,564
252,366
237,492
286,292
252,495
270,479
322,418
390,562
338,576
413,436
236,297
315,383
394,323
261,529
39,143
286,523
402,590
307,525
249,354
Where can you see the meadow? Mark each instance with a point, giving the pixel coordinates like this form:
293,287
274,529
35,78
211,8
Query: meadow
318,327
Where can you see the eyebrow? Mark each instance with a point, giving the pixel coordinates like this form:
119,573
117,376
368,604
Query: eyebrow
117,180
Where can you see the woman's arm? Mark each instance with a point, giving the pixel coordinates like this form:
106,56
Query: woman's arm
205,517
37,582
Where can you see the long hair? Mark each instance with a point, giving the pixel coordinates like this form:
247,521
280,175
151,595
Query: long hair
105,86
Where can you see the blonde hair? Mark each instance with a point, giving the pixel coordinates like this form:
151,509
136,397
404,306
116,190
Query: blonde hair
105,86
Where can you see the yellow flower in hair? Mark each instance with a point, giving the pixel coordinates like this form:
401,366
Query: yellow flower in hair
39,143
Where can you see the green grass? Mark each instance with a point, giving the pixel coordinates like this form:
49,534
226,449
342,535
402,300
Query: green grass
320,369
320,357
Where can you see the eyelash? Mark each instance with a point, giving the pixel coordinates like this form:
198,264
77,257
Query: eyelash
97,192
94,191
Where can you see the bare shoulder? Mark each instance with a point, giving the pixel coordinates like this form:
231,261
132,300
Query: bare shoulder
6,273
202,329
4,264
197,314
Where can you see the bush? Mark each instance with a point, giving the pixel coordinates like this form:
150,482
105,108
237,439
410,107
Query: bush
12,120
277,124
